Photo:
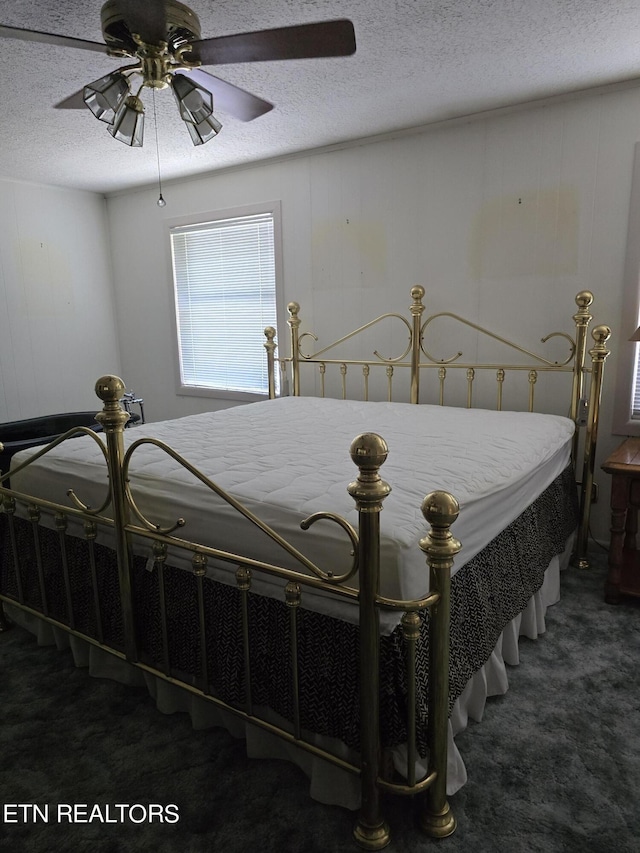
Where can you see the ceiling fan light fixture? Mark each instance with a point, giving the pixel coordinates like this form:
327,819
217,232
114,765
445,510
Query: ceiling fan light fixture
194,102
204,130
128,122
104,96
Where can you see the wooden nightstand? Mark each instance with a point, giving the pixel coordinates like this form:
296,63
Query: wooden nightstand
624,558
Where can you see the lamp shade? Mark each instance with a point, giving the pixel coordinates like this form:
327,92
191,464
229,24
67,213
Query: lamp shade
194,102
128,122
104,96
204,130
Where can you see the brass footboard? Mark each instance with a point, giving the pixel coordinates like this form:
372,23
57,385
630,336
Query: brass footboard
27,584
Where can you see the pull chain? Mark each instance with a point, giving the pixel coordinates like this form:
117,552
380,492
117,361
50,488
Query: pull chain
161,202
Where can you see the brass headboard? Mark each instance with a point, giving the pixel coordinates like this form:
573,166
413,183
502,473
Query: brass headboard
585,393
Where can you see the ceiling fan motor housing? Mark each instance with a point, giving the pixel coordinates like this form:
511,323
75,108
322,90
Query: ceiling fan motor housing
182,25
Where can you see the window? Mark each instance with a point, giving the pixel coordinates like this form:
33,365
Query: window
626,420
225,274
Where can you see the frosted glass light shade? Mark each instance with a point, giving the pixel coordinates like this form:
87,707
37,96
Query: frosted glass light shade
194,102
104,96
204,130
128,123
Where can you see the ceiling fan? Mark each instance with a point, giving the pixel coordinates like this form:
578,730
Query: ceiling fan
163,38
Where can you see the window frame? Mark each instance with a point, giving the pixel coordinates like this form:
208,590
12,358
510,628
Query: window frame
623,423
272,207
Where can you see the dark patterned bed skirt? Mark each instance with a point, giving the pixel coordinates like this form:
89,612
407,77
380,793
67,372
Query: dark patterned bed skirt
487,593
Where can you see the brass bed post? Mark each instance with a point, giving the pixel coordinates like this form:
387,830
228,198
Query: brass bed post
113,418
416,309
440,510
270,347
598,353
369,451
294,325
581,318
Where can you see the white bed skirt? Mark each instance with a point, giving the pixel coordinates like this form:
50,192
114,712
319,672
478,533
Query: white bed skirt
328,784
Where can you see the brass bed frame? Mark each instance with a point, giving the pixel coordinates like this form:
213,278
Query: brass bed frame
121,515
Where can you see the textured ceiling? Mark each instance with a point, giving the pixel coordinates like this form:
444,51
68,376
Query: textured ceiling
417,61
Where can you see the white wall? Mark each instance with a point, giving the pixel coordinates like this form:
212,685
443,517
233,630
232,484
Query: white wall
57,320
502,219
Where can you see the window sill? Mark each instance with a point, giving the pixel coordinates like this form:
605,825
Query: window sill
221,394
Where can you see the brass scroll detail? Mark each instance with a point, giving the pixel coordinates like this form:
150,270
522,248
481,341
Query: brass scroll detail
239,507
495,337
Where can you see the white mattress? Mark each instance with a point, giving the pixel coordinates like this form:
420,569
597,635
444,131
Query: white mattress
287,458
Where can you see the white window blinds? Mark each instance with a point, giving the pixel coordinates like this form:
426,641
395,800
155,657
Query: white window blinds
225,295
635,404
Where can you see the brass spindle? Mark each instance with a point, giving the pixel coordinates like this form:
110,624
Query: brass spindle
470,377
500,380
533,378
322,368
294,326
416,308
91,532
10,509
243,579
343,374
411,631
389,372
270,347
159,560
199,563
34,515
292,598
365,374
442,375
61,527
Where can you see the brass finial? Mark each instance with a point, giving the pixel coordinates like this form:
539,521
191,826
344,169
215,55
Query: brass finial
584,299
601,334
369,451
199,563
160,550
292,594
110,388
270,333
243,578
293,308
416,307
440,509
113,417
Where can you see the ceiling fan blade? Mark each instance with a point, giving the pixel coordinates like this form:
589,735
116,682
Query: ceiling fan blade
304,41
51,38
146,18
229,98
73,102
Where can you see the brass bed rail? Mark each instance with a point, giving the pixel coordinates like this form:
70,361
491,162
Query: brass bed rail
584,367
127,526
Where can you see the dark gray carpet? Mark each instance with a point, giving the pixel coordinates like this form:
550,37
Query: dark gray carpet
554,766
